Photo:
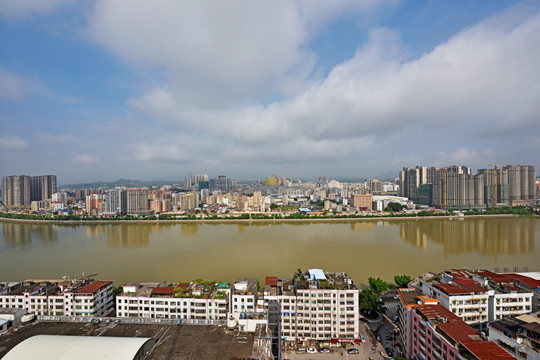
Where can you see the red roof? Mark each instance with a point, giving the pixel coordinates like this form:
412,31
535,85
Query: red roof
93,287
487,350
496,278
532,283
184,285
163,290
471,285
452,289
448,322
271,281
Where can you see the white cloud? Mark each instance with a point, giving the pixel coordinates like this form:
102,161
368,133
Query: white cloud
10,85
379,106
168,152
12,143
56,138
84,159
214,53
22,9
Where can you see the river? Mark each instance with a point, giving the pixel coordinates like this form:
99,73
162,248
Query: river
136,252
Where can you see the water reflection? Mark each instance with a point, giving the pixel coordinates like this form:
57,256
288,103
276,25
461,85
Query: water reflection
493,237
125,235
21,234
189,229
362,225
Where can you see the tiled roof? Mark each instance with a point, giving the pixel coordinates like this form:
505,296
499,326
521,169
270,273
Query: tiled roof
533,283
470,285
163,290
487,350
452,289
271,281
93,287
496,278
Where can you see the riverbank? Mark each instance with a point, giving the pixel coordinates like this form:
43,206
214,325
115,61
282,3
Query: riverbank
244,221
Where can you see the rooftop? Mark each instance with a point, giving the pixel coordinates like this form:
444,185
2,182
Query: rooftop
94,287
486,350
452,289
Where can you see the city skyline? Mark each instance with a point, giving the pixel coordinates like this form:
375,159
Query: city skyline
92,92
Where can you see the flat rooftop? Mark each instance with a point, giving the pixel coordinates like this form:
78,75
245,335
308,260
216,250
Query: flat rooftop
172,341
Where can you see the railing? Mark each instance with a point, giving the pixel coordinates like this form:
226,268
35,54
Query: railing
128,320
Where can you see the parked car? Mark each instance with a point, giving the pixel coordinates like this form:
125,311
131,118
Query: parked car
379,338
396,297
311,351
389,352
353,351
324,350
301,351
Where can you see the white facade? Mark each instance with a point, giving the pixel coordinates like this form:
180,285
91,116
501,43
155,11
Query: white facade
139,301
475,307
316,313
319,314
60,299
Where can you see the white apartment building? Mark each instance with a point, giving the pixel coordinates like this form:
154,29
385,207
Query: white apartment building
321,306
62,298
200,301
478,297
244,296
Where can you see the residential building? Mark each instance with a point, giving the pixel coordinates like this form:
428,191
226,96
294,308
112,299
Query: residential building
520,336
16,190
318,306
409,298
245,295
60,298
478,297
94,204
136,201
42,187
193,181
193,300
455,187
439,334
221,183
115,203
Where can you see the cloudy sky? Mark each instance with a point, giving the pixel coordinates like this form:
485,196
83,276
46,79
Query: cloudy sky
102,90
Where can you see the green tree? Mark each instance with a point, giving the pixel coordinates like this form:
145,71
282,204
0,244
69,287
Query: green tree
378,286
394,207
370,303
402,281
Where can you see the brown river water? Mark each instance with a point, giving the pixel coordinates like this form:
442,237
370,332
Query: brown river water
136,252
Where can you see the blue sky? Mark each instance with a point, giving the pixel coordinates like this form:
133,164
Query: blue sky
102,90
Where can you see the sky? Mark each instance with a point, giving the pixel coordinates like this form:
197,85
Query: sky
154,90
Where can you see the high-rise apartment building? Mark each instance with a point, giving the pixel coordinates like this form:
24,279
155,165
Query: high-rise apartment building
16,190
221,183
136,201
42,187
115,202
455,187
195,180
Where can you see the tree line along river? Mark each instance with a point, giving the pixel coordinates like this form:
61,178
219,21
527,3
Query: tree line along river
133,252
